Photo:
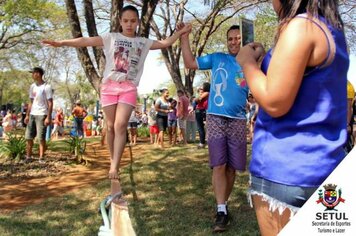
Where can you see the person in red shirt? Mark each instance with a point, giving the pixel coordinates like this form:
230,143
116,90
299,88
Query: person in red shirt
200,112
58,124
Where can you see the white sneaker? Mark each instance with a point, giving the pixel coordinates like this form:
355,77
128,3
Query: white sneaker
200,145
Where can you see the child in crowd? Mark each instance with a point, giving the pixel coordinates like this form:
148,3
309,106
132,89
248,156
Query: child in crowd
252,114
58,128
132,128
153,124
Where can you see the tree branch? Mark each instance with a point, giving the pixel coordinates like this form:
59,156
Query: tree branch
92,31
82,53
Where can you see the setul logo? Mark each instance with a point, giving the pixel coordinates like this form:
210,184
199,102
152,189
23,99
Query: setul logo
330,197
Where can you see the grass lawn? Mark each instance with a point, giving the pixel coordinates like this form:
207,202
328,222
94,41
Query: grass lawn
169,192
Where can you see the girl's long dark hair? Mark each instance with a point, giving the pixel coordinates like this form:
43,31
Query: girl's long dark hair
329,9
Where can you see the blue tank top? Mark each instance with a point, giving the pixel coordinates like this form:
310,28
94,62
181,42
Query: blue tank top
304,146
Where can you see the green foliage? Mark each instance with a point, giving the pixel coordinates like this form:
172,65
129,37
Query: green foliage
76,143
172,89
19,17
14,147
13,84
265,27
23,23
24,13
217,42
143,131
85,90
77,146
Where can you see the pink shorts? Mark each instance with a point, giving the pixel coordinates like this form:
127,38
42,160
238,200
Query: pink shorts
114,92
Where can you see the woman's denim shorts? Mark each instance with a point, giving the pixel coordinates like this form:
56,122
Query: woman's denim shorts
291,196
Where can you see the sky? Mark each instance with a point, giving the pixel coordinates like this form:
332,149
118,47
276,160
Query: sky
352,70
155,73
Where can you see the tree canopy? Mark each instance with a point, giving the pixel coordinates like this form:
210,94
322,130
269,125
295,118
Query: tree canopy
24,22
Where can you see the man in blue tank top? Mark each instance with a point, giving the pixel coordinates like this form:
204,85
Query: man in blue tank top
226,118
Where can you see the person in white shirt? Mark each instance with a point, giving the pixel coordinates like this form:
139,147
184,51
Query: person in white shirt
39,111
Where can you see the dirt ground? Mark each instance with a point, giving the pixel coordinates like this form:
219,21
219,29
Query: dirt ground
23,184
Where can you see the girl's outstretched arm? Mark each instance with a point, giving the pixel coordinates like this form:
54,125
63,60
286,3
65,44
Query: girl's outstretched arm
181,29
76,42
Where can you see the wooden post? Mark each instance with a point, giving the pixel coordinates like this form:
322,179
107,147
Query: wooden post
120,220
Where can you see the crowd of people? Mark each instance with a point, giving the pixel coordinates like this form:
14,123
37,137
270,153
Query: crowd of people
9,120
61,124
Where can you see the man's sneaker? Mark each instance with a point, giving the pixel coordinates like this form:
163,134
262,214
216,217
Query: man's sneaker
221,221
200,145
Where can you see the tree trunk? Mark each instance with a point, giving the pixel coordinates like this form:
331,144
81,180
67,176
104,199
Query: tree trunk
83,54
116,6
148,9
189,79
92,31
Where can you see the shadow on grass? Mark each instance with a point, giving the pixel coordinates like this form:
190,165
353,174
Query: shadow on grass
172,195
69,215
169,193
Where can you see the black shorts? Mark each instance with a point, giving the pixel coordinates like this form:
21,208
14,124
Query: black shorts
162,122
132,125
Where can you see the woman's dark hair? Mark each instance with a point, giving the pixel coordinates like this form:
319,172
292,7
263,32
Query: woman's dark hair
129,8
206,87
329,9
162,91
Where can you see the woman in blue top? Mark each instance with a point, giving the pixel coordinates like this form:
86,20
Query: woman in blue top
301,126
